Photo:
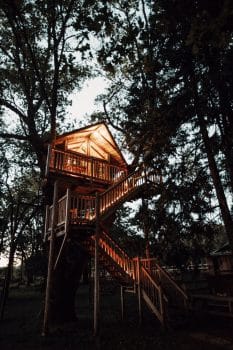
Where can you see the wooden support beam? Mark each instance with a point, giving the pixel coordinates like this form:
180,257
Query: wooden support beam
96,275
139,291
68,206
46,224
50,261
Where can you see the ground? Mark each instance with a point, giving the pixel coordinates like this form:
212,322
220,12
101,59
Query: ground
21,328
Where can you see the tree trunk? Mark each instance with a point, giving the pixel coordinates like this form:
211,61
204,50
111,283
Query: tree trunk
8,275
226,216
227,147
146,227
66,280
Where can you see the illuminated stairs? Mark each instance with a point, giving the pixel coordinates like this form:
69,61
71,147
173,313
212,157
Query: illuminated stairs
142,276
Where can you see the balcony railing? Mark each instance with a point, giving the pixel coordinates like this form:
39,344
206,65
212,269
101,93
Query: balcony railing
81,165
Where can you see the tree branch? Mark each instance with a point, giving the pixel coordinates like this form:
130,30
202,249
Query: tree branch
13,108
13,136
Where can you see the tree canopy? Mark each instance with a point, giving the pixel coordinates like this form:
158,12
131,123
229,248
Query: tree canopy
170,94
171,89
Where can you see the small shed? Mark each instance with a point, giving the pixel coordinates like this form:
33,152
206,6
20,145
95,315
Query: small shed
220,261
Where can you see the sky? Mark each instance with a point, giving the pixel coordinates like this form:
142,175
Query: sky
83,102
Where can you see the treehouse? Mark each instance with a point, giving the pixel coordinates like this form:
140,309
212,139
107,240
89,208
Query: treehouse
88,154
87,180
87,162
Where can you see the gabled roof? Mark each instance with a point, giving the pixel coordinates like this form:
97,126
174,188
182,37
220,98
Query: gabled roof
94,140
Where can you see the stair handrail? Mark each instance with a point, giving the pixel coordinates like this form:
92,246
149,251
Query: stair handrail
151,291
152,281
103,232
155,269
117,254
172,281
121,180
112,196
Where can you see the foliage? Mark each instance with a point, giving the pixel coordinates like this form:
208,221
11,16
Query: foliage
170,95
38,68
171,90
124,233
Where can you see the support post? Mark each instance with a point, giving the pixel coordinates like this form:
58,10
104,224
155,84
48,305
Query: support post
139,291
68,205
96,275
46,225
50,261
92,170
122,303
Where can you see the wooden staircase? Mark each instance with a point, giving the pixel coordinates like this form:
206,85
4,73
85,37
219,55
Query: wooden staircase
150,284
74,212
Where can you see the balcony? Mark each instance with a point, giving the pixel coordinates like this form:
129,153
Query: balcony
79,210
79,165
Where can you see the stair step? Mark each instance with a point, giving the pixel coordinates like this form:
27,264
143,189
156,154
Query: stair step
119,265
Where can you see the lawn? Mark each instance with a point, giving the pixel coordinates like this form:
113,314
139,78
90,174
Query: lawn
21,328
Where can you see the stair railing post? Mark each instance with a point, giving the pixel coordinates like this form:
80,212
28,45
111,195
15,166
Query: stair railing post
139,290
50,261
96,262
68,206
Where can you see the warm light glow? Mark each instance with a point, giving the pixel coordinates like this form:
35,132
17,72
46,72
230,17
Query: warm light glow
95,141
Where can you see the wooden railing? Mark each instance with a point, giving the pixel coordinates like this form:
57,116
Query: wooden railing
173,291
60,216
118,255
82,208
152,293
124,187
81,165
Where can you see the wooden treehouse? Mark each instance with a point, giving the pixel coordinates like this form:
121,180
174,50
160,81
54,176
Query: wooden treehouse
88,179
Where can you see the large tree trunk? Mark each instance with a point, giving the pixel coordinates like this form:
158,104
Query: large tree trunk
226,216
66,278
6,286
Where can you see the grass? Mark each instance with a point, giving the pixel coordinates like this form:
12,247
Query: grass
21,328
